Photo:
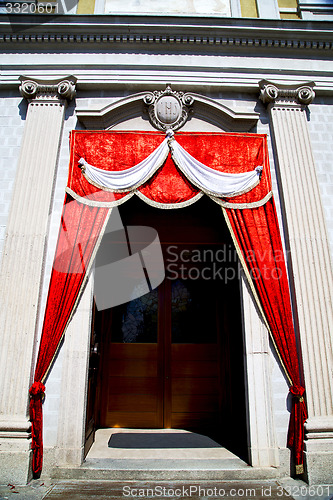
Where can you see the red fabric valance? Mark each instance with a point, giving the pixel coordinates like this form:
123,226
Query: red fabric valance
232,153
251,218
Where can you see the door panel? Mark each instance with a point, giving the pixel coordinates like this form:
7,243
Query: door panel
185,385
192,402
194,352
144,367
194,368
132,351
203,423
132,376
93,392
138,402
195,379
195,355
133,385
133,420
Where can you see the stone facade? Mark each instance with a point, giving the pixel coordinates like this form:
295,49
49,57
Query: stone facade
321,133
12,124
228,64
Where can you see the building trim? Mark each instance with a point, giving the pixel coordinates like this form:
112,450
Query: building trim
242,33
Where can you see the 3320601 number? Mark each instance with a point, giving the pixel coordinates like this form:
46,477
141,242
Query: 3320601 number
31,8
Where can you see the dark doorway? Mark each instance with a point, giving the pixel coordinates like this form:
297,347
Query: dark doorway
173,358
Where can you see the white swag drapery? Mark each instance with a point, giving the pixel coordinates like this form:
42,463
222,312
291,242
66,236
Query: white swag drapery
209,180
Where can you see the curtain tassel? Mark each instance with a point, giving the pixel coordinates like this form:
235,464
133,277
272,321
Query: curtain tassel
296,426
36,417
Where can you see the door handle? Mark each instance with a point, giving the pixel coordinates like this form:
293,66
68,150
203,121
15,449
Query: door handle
94,351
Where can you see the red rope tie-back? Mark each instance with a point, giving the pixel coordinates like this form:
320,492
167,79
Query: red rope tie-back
296,426
298,391
36,417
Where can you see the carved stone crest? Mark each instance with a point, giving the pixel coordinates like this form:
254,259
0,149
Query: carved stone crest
168,109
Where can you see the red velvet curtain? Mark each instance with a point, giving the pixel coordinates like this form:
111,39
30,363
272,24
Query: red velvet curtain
254,228
80,228
257,238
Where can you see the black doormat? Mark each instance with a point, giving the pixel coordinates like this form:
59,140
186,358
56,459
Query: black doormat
156,440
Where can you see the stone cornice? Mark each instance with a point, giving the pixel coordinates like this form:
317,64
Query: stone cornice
281,94
60,89
178,30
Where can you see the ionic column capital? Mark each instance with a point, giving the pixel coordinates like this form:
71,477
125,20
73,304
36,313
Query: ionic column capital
288,95
59,90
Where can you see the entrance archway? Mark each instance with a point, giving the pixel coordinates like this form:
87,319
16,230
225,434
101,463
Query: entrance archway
263,450
173,358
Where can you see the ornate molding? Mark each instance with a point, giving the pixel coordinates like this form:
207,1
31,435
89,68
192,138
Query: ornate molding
196,40
271,92
48,90
168,109
299,35
203,108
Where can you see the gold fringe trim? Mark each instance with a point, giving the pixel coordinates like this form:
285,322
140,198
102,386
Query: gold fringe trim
241,206
100,204
83,284
167,206
255,295
299,469
115,203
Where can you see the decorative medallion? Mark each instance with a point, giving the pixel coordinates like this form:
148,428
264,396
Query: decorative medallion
168,109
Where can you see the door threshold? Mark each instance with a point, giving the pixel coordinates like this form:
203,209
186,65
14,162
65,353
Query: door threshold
157,444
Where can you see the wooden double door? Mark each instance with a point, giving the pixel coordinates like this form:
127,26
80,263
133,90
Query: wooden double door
163,359
174,357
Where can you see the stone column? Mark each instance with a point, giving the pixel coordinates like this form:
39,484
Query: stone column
309,264
22,266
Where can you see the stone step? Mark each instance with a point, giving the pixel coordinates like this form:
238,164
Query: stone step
194,490
161,470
